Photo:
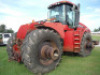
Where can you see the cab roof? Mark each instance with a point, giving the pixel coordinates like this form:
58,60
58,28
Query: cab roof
59,3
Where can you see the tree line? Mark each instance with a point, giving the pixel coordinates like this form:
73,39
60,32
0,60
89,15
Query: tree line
96,30
3,29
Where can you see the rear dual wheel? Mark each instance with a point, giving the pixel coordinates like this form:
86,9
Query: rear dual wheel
41,51
10,44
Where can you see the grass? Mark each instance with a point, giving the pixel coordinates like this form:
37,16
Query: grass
95,37
70,65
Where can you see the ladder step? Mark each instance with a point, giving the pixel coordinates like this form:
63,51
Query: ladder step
76,34
77,47
76,39
77,43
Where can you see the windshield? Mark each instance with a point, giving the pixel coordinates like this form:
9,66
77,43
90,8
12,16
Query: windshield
6,35
57,12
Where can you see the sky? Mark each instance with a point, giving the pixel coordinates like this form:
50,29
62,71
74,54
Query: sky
14,13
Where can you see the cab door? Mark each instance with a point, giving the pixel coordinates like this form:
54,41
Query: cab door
71,40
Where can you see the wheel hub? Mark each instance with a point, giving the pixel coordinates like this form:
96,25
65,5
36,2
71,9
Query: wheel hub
49,54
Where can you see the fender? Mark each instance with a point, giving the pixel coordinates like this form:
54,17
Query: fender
84,29
58,27
24,30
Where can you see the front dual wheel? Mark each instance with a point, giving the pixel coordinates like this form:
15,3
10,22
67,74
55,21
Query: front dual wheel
41,51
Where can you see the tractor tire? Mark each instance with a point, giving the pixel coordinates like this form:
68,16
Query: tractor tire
35,44
86,45
10,44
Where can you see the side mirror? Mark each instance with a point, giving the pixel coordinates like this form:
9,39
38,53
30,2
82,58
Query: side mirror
76,10
78,6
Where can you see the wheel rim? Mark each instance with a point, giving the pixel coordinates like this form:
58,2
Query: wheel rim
49,53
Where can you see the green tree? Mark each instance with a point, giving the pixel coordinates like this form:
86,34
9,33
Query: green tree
4,30
96,30
10,31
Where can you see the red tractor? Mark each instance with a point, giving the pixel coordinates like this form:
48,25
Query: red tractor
39,45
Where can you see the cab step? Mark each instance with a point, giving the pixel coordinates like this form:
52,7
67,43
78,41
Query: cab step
76,34
77,39
77,43
77,47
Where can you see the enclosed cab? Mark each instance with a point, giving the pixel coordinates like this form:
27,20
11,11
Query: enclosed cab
65,12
